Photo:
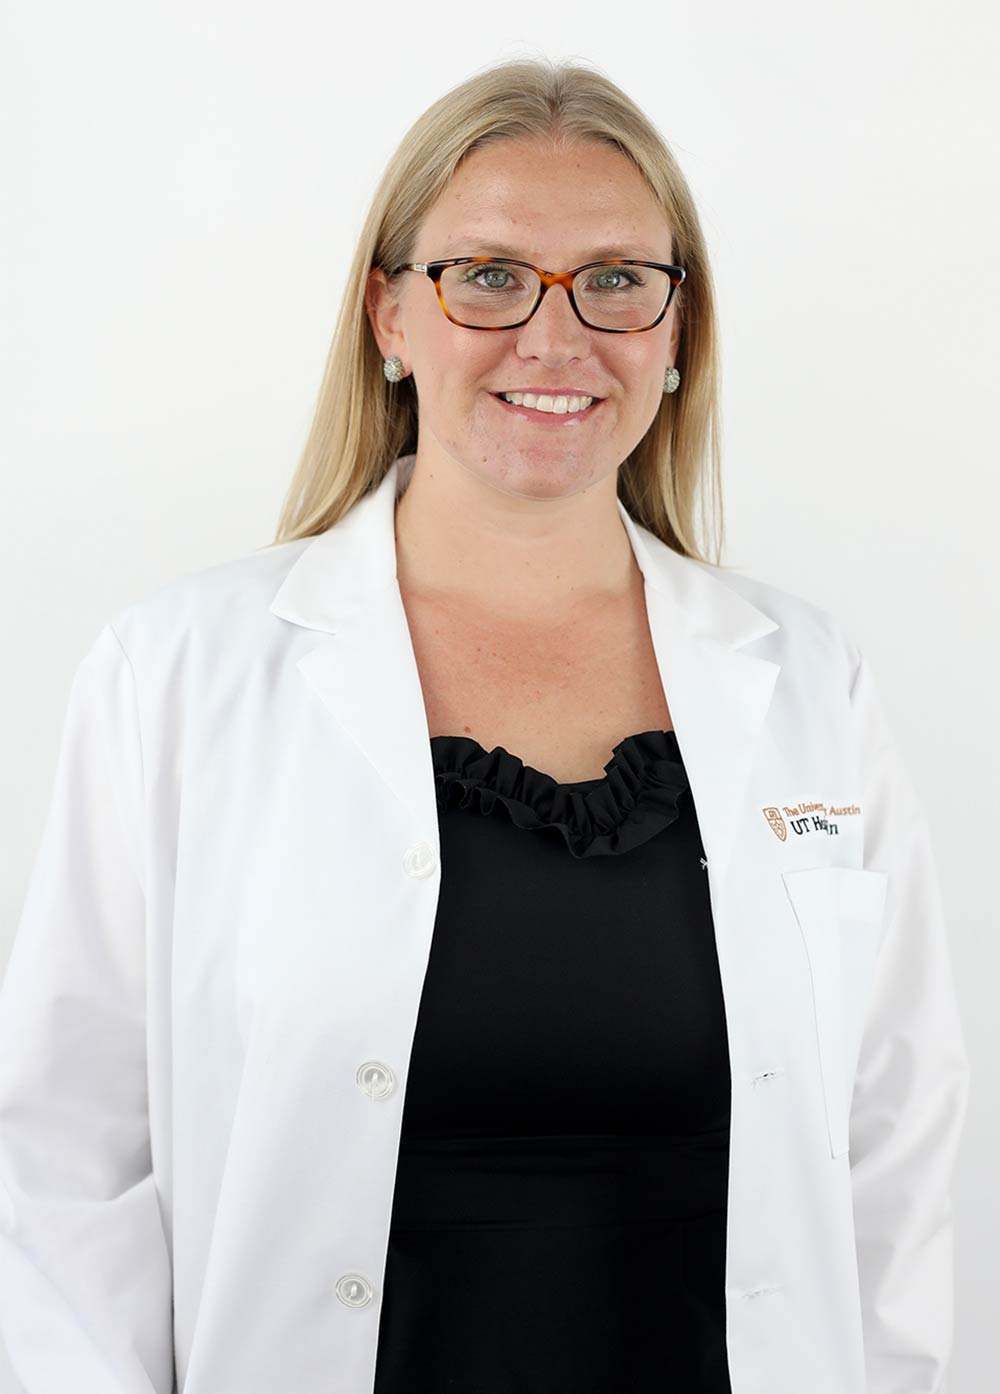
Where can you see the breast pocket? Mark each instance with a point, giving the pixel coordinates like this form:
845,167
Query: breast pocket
840,911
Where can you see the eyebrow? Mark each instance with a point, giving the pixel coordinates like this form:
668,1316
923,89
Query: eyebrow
500,249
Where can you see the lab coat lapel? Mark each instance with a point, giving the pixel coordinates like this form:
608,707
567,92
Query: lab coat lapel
717,690
364,668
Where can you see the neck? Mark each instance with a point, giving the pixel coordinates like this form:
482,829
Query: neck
459,537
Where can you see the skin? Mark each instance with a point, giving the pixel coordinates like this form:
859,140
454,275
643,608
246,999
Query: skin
537,505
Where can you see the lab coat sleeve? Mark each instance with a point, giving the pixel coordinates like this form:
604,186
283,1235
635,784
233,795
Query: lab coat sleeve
911,1086
85,1277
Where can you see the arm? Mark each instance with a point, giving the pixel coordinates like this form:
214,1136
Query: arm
911,1086
85,1279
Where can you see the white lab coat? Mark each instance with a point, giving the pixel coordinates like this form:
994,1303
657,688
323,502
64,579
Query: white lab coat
208,1012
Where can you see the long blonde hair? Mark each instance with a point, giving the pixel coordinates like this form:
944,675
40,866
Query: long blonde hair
361,423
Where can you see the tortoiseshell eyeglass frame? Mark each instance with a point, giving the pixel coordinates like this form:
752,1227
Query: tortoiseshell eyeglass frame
434,270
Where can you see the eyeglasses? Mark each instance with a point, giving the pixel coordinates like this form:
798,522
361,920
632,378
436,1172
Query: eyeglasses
619,296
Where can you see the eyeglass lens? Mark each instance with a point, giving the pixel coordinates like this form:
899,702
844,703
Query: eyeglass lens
610,296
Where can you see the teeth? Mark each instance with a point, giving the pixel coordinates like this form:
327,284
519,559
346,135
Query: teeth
542,402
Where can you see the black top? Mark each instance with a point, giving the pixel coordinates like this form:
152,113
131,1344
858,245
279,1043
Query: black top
559,1215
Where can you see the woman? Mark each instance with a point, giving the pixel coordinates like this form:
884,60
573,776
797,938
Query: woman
477,942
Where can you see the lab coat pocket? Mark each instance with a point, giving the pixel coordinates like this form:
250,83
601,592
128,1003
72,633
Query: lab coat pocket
840,911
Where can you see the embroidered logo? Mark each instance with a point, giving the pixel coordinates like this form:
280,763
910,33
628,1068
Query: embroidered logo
808,818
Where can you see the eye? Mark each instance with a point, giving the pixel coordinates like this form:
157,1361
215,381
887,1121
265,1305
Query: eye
472,274
631,275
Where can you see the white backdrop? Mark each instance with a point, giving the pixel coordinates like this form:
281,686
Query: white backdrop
185,182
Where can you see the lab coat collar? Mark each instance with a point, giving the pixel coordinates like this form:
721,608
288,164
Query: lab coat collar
344,585
343,566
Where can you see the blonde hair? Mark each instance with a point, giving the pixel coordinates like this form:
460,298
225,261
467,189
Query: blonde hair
361,423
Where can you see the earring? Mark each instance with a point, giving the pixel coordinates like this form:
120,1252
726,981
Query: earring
671,380
393,368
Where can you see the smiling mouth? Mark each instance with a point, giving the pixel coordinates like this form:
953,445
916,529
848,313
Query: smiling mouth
555,417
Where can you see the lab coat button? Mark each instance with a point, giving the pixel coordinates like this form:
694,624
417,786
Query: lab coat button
375,1079
354,1290
420,860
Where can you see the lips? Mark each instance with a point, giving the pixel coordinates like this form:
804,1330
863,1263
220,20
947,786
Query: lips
547,419
546,392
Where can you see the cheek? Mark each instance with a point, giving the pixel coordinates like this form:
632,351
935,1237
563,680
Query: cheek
459,364
644,383
634,362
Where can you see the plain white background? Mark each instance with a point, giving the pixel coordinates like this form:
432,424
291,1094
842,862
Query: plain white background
184,183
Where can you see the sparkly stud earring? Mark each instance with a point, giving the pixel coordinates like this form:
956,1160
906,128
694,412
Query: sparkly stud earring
671,380
393,368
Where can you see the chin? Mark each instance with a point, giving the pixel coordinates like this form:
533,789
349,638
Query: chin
545,475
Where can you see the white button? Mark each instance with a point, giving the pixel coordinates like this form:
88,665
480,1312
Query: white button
354,1290
375,1079
420,859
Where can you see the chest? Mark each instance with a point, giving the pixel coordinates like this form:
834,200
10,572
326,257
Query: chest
560,694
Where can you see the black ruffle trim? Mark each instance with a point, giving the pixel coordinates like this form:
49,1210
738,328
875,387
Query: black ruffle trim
637,796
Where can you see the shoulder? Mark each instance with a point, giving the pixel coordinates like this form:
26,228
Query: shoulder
222,608
806,633
741,610
792,610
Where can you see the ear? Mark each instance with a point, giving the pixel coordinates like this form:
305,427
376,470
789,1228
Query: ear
675,337
385,314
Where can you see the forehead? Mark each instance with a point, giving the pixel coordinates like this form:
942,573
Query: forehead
541,201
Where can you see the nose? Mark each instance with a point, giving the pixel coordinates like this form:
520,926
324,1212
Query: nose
555,324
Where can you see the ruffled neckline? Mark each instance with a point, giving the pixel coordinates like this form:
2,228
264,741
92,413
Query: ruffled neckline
637,796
